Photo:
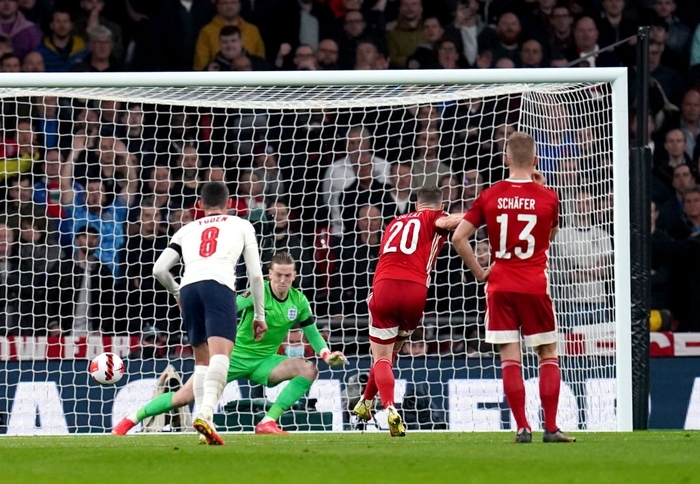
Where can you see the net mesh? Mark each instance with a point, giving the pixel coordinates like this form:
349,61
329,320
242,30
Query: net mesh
97,179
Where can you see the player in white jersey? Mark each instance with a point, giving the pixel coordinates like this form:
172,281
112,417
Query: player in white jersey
210,248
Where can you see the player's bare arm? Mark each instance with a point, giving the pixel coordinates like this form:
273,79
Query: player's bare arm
449,222
553,233
161,270
460,240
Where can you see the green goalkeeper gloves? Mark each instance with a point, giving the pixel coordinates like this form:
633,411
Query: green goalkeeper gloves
333,358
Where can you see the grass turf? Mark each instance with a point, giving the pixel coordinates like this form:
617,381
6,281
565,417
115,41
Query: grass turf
640,457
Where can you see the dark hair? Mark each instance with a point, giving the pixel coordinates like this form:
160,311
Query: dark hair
215,195
282,258
86,230
688,191
229,30
430,195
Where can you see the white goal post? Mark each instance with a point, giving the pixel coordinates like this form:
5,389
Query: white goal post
235,123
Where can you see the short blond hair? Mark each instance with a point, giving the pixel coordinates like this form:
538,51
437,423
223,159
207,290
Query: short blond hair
520,149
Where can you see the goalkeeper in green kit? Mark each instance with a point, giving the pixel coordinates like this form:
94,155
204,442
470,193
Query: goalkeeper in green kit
258,361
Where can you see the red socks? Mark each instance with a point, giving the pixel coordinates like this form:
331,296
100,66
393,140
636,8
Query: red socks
371,387
514,388
384,380
550,381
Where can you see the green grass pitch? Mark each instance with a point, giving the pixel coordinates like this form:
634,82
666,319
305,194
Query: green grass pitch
317,458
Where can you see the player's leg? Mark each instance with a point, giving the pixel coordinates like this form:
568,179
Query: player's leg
539,331
300,373
503,329
220,321
371,389
161,404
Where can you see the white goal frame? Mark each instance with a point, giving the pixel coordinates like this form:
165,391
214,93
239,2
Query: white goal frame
617,77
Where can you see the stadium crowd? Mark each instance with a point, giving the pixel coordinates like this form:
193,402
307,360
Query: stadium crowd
94,188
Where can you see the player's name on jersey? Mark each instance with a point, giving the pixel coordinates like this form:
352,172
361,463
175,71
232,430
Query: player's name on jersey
212,220
516,203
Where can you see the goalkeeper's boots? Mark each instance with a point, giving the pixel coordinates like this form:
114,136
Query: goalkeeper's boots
363,409
557,436
123,427
208,430
396,426
269,427
524,436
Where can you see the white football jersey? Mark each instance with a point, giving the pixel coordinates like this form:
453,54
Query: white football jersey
211,246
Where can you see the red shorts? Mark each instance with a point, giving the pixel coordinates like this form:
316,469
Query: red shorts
508,312
395,309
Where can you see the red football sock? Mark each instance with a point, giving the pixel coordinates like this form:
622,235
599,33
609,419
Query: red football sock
514,388
384,379
371,387
550,381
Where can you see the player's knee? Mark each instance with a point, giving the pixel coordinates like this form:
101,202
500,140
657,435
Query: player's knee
309,371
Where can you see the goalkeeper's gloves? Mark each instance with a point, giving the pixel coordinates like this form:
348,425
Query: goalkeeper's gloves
333,358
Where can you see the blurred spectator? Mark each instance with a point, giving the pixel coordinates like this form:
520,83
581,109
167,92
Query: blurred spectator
583,258
266,165
341,174
83,289
531,54
250,201
354,31
10,62
415,345
614,25
9,282
47,193
33,62
504,63
175,29
695,58
427,165
670,81
404,35
327,54
230,48
674,154
536,21
662,249
401,191
451,192
35,10
90,16
447,55
296,346
138,135
366,56
504,40
38,259
148,305
18,200
466,29
177,218
25,35
279,237
424,56
305,58
296,22
100,58
96,206
561,37
557,142
679,34
688,121
208,41
62,51
586,42
658,32
473,186
358,259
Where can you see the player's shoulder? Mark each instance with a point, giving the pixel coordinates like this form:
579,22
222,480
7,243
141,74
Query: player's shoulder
297,296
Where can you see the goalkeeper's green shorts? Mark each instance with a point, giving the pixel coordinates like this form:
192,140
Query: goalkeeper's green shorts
257,370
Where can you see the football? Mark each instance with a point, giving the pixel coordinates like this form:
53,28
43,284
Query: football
107,369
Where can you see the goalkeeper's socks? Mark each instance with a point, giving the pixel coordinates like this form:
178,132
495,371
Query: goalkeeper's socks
550,381
214,383
514,388
161,404
295,389
384,377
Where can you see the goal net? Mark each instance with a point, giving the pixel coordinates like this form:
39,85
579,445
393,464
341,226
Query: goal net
100,172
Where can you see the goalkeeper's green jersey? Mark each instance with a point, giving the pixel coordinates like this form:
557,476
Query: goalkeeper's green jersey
280,317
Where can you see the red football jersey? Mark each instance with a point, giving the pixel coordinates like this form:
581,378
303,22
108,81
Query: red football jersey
519,216
410,245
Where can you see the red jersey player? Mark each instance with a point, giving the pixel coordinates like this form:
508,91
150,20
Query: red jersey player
408,250
521,218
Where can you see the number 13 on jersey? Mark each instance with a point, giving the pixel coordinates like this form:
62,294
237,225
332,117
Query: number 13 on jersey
525,235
